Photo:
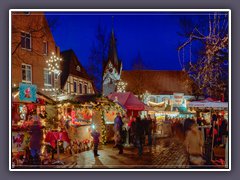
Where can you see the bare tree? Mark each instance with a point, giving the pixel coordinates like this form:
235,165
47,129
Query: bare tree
210,71
98,56
138,63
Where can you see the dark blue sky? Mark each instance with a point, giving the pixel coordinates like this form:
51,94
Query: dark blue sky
154,35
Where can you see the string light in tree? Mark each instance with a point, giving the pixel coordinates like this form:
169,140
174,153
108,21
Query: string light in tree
121,86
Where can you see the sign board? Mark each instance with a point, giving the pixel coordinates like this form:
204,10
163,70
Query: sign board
27,92
178,99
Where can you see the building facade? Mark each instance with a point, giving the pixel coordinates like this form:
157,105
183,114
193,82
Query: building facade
74,78
159,88
32,46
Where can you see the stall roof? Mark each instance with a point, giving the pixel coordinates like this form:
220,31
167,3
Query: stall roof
208,103
127,100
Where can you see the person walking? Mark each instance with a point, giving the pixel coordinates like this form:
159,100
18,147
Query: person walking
95,134
154,129
150,128
194,145
118,133
139,135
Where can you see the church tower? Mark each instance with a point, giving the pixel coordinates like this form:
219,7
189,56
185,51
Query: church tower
112,68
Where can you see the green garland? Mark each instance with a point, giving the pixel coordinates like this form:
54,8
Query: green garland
104,131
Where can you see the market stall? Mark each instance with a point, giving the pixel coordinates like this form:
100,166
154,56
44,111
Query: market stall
78,114
217,113
28,108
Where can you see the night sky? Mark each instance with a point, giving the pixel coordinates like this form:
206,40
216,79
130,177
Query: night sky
154,35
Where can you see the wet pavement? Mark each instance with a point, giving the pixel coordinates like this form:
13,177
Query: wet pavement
167,153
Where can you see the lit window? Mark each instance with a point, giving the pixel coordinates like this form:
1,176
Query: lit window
45,48
68,87
47,78
26,73
26,40
78,68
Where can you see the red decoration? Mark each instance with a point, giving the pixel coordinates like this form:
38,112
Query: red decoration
51,137
73,115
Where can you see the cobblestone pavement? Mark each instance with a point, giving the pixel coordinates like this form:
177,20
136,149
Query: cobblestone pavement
168,153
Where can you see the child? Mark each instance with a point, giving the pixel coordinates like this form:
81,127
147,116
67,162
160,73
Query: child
95,136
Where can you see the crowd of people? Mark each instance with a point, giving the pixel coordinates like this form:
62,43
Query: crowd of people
141,132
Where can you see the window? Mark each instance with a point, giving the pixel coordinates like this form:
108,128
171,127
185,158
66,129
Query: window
26,73
26,40
80,88
26,13
85,88
78,68
56,76
68,87
45,48
47,78
75,86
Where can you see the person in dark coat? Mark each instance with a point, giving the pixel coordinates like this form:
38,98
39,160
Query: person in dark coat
150,129
139,135
145,128
95,136
35,141
118,133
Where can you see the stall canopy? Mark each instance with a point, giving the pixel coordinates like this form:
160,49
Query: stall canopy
208,103
128,101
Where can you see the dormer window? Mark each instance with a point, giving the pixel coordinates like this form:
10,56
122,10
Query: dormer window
78,68
26,13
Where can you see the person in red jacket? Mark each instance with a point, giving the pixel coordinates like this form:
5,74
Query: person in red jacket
95,134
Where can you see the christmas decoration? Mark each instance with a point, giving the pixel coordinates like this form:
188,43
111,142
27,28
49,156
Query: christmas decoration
121,86
104,129
27,92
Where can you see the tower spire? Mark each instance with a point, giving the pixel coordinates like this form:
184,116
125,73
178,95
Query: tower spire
112,24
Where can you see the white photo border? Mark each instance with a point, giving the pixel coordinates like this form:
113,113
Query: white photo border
118,10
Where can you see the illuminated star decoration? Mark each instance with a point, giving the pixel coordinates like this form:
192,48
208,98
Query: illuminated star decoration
54,64
121,86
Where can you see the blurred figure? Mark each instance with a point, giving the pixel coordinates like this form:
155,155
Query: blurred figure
154,129
118,133
95,134
194,145
139,135
149,130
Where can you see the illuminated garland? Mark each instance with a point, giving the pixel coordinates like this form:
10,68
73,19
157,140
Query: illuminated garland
104,131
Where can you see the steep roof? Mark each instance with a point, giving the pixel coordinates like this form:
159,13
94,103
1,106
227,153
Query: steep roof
155,82
68,66
112,54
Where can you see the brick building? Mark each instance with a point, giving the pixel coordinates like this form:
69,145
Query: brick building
32,44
